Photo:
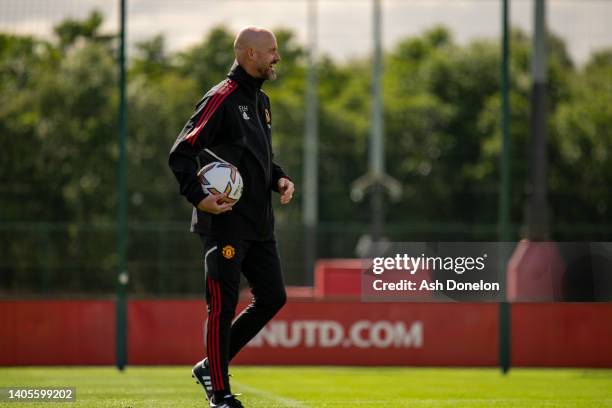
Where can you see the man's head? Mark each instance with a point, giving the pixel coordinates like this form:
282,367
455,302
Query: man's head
256,51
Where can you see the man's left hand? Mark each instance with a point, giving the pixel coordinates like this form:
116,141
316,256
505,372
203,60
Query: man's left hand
286,189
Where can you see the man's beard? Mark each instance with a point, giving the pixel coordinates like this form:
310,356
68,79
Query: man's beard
271,74
267,72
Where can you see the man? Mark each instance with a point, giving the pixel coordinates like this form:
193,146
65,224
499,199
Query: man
233,123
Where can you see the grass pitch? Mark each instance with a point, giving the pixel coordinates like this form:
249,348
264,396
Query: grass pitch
322,387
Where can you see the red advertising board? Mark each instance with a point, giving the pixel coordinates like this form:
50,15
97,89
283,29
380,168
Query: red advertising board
57,332
562,334
343,333
166,331
353,333
311,332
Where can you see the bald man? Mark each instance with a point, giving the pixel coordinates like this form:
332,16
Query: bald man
233,123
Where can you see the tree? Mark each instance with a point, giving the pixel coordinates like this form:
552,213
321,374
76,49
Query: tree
581,140
209,61
58,122
151,59
70,31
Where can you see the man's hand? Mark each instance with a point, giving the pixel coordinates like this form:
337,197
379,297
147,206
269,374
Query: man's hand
286,189
215,204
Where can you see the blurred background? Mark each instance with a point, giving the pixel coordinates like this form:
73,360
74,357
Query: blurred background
441,103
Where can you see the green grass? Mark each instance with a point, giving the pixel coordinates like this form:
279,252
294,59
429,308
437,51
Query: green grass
321,387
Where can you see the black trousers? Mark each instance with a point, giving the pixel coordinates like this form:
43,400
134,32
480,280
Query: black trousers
224,261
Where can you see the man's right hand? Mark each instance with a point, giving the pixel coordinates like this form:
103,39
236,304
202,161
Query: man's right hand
215,204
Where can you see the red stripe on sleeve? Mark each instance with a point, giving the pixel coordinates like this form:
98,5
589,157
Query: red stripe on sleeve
218,99
207,108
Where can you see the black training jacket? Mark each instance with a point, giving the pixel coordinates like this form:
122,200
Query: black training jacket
231,123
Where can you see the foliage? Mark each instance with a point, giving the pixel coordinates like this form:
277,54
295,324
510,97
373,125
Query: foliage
58,124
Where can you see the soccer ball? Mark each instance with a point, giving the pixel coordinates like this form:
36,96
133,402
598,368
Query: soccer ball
218,178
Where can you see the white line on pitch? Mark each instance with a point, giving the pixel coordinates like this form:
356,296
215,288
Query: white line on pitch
287,402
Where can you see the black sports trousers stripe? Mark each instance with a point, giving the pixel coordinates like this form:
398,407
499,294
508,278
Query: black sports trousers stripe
224,261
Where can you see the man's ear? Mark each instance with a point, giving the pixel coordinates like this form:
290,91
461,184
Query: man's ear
251,53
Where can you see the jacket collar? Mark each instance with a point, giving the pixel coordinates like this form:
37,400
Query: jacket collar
238,74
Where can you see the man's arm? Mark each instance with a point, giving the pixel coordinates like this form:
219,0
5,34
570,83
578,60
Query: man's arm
280,181
199,133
